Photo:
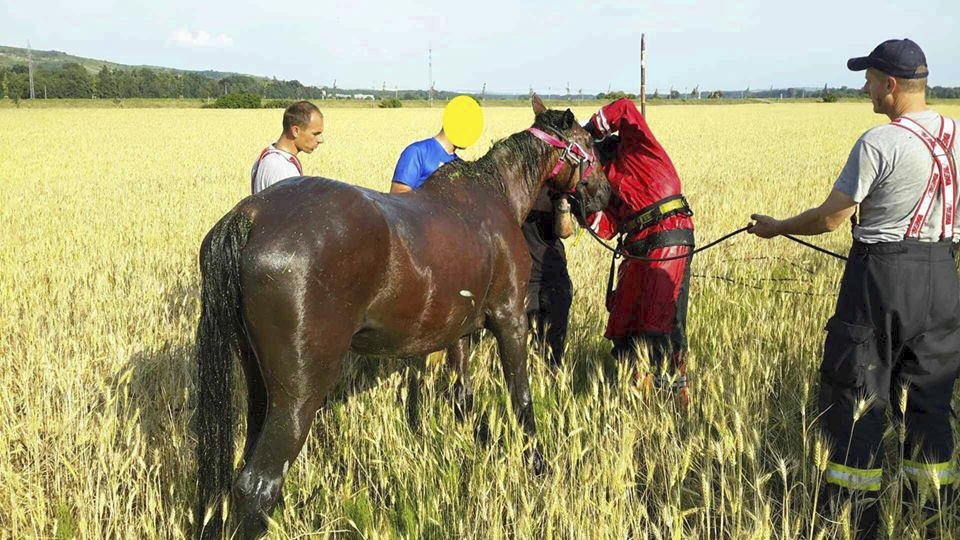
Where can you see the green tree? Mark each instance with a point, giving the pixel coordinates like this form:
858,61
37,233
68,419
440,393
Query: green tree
71,80
129,83
107,83
18,85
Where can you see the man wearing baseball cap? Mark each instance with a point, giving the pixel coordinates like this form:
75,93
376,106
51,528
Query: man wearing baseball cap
896,329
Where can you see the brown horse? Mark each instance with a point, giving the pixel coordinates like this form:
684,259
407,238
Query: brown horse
299,274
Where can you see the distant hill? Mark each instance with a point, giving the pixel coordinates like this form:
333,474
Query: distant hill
11,56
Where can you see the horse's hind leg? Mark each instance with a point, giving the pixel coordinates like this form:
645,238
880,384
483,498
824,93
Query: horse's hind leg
256,399
509,326
299,371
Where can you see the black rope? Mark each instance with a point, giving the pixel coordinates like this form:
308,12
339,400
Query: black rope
813,247
620,252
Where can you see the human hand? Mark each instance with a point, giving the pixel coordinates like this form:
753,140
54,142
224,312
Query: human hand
764,226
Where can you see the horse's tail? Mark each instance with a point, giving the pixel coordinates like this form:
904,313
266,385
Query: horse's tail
219,334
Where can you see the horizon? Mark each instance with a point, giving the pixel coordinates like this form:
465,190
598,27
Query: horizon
595,48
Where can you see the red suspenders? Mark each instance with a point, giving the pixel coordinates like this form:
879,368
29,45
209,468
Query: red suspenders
943,174
263,154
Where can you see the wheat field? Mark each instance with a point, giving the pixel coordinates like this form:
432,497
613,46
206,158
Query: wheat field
102,216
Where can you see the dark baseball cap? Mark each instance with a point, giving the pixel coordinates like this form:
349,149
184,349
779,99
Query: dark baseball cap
897,57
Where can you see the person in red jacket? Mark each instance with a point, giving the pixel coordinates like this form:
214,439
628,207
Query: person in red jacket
651,218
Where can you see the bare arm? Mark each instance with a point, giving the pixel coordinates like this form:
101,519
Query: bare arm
397,187
562,220
837,208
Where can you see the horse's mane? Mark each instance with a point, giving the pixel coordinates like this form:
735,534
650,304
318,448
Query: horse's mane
518,150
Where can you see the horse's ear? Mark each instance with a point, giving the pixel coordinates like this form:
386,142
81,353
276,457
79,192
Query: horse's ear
568,119
538,106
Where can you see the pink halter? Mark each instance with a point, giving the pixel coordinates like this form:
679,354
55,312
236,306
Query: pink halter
573,153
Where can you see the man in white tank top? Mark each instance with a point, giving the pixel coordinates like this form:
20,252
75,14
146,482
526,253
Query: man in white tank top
302,132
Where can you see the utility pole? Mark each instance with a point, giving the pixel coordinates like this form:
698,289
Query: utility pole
643,75
30,68
483,92
430,75
569,96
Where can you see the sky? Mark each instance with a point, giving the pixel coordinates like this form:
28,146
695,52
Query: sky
592,46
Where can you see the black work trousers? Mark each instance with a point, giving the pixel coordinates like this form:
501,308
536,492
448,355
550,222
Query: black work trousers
550,291
895,334
548,309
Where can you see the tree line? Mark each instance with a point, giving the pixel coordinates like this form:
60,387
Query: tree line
72,80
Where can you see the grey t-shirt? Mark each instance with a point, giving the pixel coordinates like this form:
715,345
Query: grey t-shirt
271,168
887,173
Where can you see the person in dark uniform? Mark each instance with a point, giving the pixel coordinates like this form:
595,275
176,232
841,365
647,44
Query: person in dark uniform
896,329
550,292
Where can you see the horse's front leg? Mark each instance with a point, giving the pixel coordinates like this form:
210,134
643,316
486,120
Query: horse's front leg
509,326
458,355
415,368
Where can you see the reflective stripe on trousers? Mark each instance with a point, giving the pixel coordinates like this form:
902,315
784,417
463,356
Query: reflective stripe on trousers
938,474
852,477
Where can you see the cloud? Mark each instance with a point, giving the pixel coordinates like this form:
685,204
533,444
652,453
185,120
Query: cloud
185,38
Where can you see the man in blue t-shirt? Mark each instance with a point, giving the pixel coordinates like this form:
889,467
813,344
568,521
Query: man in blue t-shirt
462,125
420,160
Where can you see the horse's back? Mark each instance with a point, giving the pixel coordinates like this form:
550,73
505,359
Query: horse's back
445,252
315,243
407,273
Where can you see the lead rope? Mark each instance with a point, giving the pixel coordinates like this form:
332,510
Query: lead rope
619,251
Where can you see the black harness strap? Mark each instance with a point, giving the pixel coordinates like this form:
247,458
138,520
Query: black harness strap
655,213
613,269
672,237
642,247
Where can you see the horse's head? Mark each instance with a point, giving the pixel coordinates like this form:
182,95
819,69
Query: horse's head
577,170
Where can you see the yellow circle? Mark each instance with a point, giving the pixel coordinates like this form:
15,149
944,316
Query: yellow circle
462,121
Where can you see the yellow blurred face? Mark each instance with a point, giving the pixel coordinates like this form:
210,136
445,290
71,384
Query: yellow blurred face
308,138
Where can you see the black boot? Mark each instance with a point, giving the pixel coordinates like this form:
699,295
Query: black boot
864,509
937,508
